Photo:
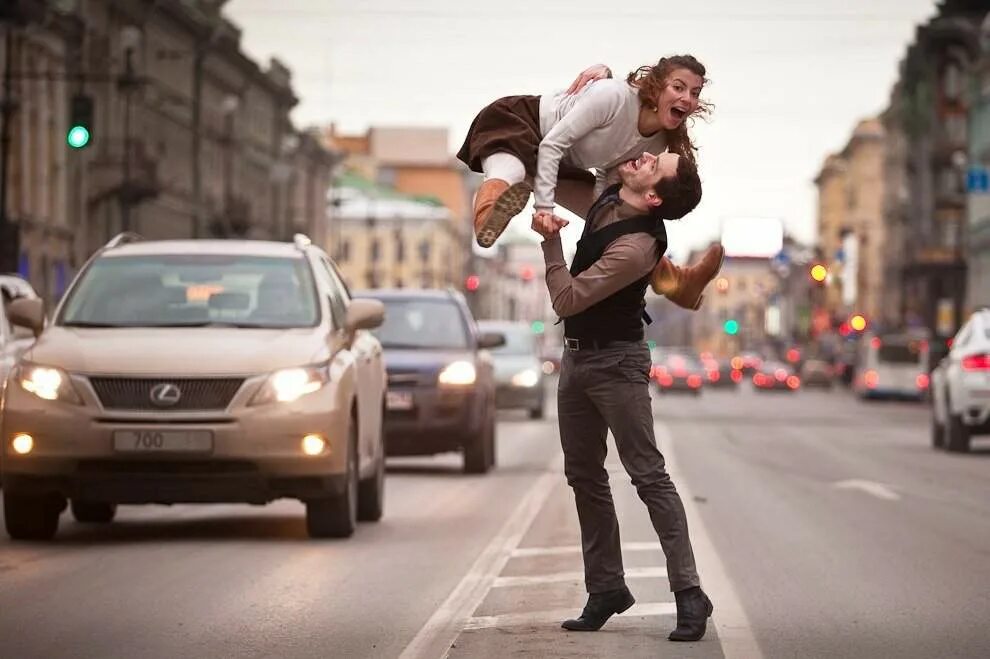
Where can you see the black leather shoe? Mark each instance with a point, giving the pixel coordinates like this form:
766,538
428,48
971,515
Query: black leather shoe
693,610
600,608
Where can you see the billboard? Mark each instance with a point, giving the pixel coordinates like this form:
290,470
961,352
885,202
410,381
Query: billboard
752,236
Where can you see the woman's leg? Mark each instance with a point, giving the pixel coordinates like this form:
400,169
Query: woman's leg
501,197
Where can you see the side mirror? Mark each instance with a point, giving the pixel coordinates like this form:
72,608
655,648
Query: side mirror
28,313
364,314
488,340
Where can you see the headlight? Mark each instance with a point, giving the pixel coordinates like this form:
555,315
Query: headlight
528,378
47,382
292,384
458,373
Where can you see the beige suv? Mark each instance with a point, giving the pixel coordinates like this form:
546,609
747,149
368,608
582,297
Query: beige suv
197,372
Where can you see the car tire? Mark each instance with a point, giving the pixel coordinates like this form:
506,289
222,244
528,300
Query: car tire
938,433
32,517
371,491
492,442
957,435
93,512
479,452
536,412
336,517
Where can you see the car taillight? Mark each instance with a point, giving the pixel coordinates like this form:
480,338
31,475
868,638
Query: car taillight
736,376
922,381
758,379
871,379
780,374
713,376
793,382
976,363
665,380
694,381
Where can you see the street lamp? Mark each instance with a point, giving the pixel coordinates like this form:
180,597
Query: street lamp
127,83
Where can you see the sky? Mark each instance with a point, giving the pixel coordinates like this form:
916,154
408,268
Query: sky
789,79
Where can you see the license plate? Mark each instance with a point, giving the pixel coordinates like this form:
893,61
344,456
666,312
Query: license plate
399,400
163,441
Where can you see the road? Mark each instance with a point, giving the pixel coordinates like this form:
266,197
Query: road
823,527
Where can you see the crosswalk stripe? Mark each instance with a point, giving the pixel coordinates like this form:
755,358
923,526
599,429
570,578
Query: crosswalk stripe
576,549
564,577
558,615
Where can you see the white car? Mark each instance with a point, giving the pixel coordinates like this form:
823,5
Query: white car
961,387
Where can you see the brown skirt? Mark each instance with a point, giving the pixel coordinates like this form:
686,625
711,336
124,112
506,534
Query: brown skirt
511,125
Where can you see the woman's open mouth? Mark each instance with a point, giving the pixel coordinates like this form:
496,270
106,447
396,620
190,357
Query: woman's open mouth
678,114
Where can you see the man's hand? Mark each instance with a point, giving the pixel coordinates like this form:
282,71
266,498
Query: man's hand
547,224
592,73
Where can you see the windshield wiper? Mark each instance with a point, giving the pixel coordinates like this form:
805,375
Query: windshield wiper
86,323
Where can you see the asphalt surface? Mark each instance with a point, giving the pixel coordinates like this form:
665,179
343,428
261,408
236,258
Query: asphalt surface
823,527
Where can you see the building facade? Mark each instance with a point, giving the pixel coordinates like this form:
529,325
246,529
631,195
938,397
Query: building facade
190,138
978,198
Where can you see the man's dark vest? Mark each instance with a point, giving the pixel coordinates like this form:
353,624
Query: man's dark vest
619,317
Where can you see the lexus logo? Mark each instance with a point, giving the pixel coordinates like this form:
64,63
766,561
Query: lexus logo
165,394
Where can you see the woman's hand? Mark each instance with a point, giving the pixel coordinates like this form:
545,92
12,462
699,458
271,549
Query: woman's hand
547,224
592,73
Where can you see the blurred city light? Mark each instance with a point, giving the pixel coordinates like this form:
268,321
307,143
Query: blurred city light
538,327
472,283
731,327
858,322
722,285
819,272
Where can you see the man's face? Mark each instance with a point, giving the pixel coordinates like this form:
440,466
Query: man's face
642,174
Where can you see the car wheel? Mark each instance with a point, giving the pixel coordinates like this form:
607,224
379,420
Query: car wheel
938,433
336,517
492,442
93,512
536,412
371,493
32,517
957,435
478,453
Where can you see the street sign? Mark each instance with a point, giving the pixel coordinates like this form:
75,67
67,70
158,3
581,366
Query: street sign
978,180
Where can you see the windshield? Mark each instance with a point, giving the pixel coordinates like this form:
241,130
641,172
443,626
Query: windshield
518,341
898,354
194,290
422,324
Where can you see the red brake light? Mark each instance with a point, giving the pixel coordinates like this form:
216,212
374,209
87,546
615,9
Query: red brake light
694,381
921,381
793,382
871,379
875,343
976,363
713,376
736,375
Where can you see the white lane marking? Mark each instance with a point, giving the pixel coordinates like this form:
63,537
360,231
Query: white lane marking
735,633
564,577
576,549
541,618
443,627
879,490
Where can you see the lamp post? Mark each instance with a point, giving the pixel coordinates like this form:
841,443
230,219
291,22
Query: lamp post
127,83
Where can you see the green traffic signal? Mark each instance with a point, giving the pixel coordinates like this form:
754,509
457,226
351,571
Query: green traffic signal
538,327
731,327
78,137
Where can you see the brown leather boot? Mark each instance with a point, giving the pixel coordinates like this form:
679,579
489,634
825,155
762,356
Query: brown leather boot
684,286
496,203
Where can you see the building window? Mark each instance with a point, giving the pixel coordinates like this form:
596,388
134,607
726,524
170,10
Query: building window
375,250
952,82
400,247
424,251
345,250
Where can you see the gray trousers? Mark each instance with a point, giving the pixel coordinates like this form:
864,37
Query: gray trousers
601,390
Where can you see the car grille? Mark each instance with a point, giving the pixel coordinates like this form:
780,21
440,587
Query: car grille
409,378
135,393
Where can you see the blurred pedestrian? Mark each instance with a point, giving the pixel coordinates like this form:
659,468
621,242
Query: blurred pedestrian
547,144
604,381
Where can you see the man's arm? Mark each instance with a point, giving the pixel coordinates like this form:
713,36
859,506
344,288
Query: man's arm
626,260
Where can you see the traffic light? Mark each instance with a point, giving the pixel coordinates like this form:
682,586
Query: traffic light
858,322
819,272
731,327
80,122
538,327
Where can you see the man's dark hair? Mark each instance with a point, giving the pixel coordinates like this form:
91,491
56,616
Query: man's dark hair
680,193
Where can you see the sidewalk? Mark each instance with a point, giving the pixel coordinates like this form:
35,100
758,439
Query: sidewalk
542,583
